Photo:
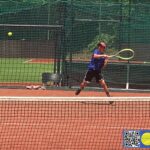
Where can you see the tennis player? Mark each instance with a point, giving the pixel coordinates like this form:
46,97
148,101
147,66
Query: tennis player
98,61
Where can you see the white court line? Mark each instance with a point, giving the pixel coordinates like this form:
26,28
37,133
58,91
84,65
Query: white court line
27,61
74,99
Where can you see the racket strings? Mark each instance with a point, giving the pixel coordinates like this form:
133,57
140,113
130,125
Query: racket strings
124,54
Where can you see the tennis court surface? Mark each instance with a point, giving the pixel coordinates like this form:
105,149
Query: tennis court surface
69,123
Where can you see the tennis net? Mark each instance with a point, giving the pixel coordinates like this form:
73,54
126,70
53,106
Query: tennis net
70,123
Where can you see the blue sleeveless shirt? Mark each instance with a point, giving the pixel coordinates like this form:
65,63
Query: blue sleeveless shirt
96,63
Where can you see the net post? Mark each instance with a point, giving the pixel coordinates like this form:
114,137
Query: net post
128,72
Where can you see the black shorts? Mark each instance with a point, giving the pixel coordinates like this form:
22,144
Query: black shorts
93,74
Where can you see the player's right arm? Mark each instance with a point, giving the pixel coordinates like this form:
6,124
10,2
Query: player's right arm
96,54
100,56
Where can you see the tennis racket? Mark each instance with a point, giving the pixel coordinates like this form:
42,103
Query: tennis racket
124,54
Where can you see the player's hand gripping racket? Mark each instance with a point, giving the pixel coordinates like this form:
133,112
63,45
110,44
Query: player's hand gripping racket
124,54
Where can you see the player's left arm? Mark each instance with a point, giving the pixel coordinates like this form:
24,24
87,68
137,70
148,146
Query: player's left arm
105,63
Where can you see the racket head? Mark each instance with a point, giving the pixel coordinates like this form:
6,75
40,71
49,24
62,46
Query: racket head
124,54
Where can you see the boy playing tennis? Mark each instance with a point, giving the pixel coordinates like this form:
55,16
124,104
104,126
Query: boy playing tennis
97,62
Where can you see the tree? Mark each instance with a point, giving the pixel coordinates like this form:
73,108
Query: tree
108,39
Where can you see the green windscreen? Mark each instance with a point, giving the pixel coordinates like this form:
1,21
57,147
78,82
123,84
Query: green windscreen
60,36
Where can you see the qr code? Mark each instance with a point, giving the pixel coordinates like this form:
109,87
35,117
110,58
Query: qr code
131,138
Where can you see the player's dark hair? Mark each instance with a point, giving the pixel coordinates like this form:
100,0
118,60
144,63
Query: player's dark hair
101,44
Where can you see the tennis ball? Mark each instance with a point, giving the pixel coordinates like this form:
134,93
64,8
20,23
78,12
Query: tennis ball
146,139
10,33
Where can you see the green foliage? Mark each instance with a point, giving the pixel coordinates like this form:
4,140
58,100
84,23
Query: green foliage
108,39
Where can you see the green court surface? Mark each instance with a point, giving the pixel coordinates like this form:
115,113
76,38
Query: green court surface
20,70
